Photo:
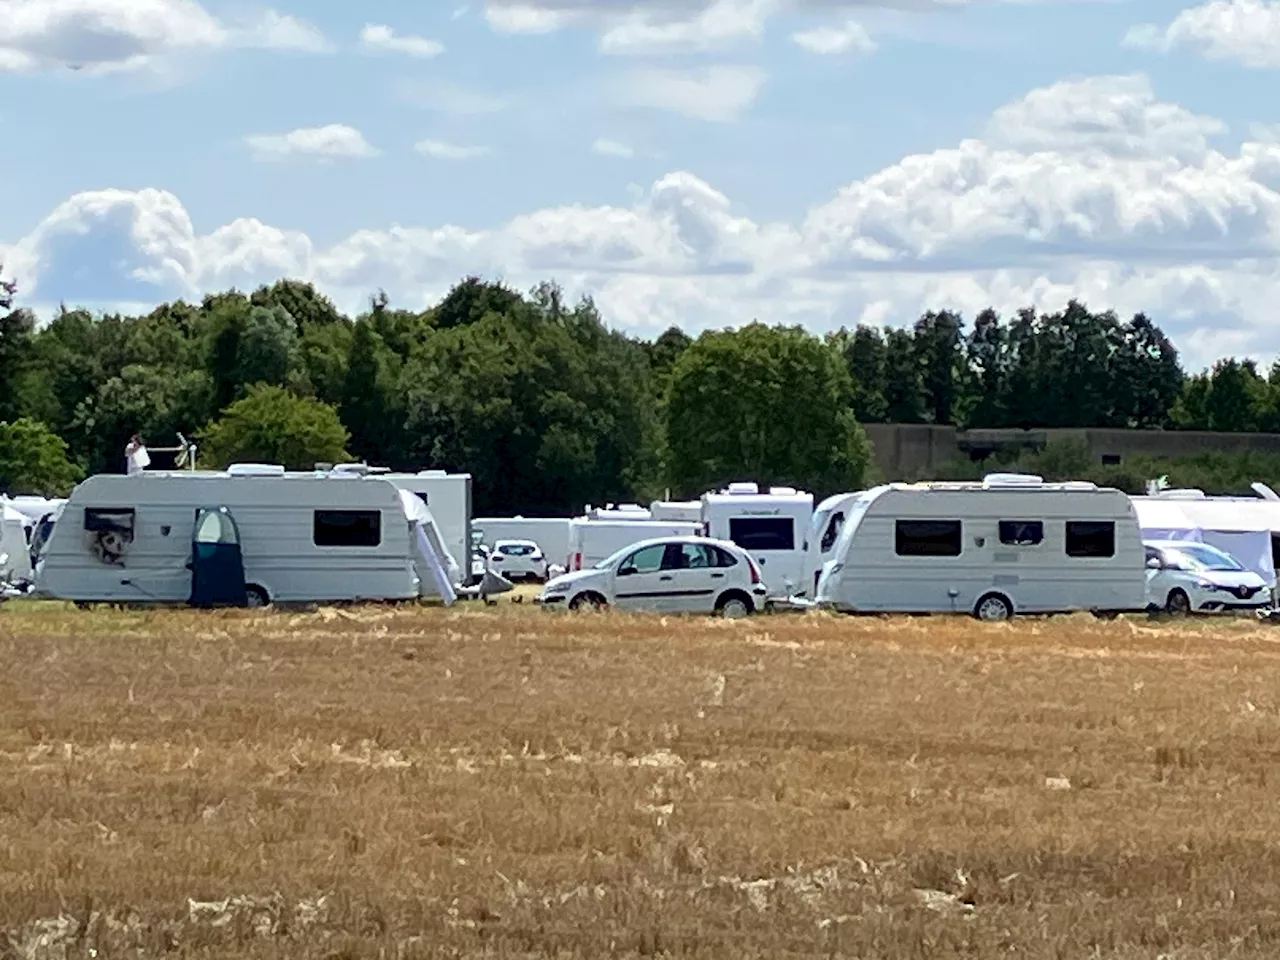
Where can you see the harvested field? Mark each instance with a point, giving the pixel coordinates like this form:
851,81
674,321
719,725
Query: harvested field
497,782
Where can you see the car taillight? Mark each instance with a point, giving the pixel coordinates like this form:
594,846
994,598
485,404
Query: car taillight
755,572
577,561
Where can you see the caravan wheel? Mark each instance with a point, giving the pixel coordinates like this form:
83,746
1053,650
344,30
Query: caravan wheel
257,596
993,608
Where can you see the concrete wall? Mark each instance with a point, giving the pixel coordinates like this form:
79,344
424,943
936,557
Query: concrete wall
911,450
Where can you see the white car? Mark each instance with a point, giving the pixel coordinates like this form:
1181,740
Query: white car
1192,577
667,575
518,560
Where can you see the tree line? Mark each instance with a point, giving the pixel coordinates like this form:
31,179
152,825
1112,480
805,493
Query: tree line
548,408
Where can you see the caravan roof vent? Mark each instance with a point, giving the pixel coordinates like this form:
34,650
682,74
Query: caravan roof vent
1188,494
783,491
630,508
433,473
255,470
744,488
1012,480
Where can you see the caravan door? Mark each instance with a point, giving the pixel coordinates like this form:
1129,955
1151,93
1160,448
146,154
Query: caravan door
217,566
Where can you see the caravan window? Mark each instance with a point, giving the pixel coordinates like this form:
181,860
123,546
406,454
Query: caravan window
1021,533
928,538
1091,538
347,528
832,531
763,533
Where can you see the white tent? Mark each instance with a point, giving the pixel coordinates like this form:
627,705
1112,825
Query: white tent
430,548
1240,526
14,544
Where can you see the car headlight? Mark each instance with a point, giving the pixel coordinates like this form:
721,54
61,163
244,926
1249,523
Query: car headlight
1206,585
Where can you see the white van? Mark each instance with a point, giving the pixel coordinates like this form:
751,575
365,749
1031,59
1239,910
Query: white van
590,541
772,526
252,534
1006,545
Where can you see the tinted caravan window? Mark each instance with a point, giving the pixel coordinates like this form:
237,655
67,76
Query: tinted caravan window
347,528
928,538
1021,533
1091,538
763,533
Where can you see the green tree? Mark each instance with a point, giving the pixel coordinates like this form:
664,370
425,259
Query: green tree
33,460
369,396
904,383
866,359
938,338
267,347
16,327
269,424
987,351
771,404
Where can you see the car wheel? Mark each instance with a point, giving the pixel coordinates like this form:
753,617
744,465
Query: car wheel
589,602
734,607
1178,604
256,597
992,608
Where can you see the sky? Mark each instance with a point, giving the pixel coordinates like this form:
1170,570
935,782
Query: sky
700,163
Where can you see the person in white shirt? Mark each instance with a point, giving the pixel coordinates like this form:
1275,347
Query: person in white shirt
136,457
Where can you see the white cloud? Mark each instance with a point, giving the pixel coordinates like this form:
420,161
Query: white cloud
612,148
850,37
440,150
718,93
377,36
334,141
1087,202
649,30
526,18
1246,31
109,35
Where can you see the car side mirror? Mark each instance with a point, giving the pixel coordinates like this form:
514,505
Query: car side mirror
1153,564
626,571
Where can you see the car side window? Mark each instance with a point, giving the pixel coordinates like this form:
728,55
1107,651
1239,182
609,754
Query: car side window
692,556
724,558
645,560
1154,554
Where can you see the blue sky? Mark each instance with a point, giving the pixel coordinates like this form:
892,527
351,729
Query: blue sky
702,162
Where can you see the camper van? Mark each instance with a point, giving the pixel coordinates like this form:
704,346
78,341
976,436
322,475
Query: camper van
590,541
772,526
1009,544
247,536
448,495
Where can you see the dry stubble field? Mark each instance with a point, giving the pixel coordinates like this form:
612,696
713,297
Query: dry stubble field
381,782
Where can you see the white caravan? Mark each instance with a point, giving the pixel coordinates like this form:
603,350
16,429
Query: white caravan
15,553
1006,545
591,541
252,534
772,526
448,495
824,535
688,510
551,534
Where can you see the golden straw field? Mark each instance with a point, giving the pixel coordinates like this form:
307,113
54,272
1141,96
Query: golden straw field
390,782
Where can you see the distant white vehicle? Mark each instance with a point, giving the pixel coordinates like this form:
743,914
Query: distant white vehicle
250,535
1188,577
1007,545
590,541
14,545
518,560
668,575
824,534
551,534
772,525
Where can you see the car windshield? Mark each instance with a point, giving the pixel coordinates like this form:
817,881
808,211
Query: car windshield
516,549
1202,558
616,556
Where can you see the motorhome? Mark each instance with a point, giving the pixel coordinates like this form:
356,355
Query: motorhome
551,534
1006,545
249,535
772,526
591,541
448,495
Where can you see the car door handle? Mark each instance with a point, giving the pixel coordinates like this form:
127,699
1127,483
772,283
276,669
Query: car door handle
665,577
717,576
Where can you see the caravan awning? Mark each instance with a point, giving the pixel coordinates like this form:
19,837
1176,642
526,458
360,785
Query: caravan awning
1241,528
